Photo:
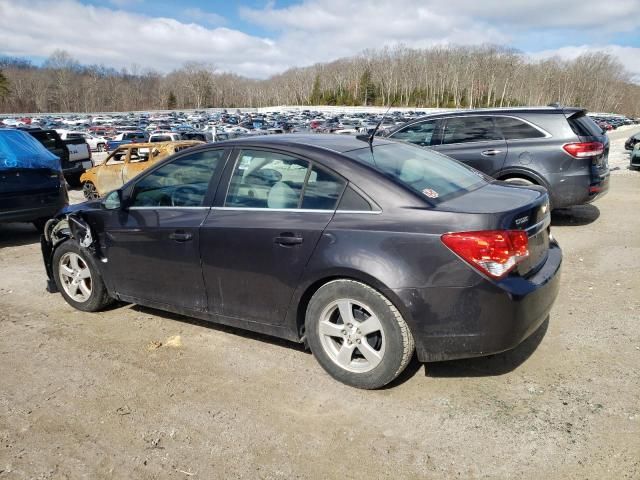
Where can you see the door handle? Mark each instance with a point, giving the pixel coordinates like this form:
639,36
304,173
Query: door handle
180,236
491,152
288,239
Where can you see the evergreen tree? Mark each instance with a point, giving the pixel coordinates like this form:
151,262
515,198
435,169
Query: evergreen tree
316,93
172,101
367,88
4,85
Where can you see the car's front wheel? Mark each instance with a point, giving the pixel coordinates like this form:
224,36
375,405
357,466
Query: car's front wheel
77,279
357,335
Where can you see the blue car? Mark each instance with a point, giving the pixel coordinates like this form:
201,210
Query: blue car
32,186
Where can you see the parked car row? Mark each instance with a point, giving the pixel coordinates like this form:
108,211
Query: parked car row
611,122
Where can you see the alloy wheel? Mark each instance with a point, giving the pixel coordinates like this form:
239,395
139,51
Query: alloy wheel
351,335
75,277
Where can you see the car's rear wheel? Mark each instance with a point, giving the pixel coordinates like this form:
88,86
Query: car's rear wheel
357,335
101,147
77,279
90,191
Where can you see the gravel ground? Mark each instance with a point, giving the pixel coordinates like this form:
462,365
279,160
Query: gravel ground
118,395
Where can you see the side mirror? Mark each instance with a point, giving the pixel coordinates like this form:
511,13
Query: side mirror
113,201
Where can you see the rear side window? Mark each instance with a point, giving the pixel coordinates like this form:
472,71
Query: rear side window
272,180
469,129
584,126
419,133
515,129
267,180
322,190
160,138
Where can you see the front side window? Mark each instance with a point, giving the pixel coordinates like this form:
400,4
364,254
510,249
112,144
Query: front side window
469,129
183,182
419,133
424,171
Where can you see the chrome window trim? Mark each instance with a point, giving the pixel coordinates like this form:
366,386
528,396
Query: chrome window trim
299,210
541,130
254,209
359,212
164,207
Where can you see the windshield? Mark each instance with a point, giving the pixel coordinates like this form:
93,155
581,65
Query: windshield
428,173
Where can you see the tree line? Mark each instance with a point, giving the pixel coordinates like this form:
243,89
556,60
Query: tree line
441,77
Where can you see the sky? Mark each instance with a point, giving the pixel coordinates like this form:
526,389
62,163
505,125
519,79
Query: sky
260,38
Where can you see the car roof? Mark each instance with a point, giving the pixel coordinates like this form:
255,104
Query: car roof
326,141
160,144
504,111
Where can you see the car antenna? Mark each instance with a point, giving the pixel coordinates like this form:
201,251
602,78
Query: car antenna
369,138
375,130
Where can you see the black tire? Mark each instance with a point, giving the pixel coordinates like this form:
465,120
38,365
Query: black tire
99,297
395,335
101,147
73,179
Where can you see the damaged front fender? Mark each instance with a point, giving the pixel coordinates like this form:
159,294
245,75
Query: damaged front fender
66,226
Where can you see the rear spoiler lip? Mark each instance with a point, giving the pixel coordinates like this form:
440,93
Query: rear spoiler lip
574,112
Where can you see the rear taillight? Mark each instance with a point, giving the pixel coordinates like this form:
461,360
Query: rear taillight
584,149
493,252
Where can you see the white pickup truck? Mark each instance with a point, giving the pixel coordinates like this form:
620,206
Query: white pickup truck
79,154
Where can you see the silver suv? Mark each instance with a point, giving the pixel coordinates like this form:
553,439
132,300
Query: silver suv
559,148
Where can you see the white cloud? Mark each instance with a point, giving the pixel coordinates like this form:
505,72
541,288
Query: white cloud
120,39
302,34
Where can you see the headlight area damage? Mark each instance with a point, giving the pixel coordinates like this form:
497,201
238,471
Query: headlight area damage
65,227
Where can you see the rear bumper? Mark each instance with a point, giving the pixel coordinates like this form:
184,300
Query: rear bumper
451,323
579,188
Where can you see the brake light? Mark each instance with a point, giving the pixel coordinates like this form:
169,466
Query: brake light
493,252
584,149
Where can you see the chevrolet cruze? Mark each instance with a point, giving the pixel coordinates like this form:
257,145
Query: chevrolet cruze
365,251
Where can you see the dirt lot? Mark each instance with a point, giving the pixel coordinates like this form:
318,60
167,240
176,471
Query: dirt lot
108,396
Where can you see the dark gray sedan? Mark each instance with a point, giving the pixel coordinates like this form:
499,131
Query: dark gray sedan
365,252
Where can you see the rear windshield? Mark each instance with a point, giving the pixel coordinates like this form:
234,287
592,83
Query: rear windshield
160,138
584,126
426,172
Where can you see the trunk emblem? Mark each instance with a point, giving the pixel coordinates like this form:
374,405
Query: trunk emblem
521,220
